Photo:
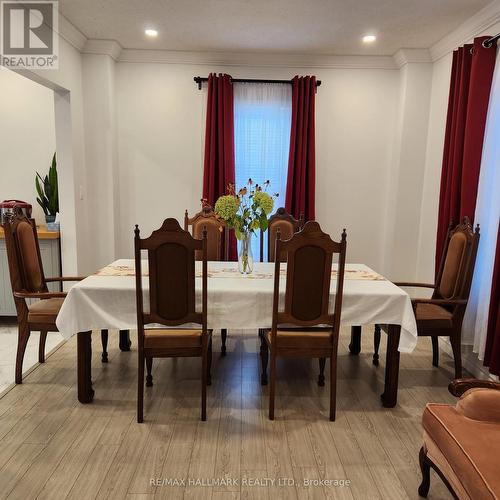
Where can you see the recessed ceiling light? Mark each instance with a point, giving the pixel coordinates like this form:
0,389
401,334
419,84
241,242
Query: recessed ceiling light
151,32
369,38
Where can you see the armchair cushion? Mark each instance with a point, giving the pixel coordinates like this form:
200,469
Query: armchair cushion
433,315
214,236
464,449
480,404
448,286
44,311
29,256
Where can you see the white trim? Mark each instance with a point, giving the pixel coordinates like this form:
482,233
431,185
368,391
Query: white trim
71,33
260,59
405,56
470,361
109,48
475,25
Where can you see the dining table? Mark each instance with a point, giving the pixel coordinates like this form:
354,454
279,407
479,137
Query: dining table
238,302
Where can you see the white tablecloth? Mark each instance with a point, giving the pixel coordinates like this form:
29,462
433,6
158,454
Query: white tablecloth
234,301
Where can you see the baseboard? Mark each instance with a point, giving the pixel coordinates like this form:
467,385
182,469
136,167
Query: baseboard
470,361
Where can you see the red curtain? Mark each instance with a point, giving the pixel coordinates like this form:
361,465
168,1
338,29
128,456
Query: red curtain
492,349
471,77
219,144
300,187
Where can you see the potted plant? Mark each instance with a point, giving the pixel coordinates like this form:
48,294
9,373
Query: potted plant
48,194
245,212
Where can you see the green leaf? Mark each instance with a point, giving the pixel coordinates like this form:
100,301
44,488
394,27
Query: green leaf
38,187
263,222
45,211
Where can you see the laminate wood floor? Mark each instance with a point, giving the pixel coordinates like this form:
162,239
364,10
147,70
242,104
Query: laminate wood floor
53,447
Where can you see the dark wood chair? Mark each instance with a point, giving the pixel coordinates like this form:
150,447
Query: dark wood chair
443,313
217,242
172,303
29,282
309,255
216,228
283,222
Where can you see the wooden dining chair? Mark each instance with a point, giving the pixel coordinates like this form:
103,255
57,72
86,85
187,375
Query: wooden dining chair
216,228
217,242
443,313
28,282
283,222
172,303
309,254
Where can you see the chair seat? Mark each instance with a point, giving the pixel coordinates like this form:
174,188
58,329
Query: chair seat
464,450
44,311
167,338
433,316
294,338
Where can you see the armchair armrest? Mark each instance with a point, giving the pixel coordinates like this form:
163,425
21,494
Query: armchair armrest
420,285
65,278
439,302
482,405
461,385
40,295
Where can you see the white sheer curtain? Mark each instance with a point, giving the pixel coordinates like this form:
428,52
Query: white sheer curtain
487,216
262,121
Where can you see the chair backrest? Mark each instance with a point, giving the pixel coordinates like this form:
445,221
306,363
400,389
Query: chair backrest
283,222
23,254
171,262
309,255
217,240
457,263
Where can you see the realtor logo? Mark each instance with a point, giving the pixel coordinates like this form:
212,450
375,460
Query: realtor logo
29,34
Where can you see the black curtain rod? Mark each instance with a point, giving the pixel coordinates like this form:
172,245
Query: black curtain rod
488,43
200,79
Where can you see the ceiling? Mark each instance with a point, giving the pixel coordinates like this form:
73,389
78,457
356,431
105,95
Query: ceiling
288,26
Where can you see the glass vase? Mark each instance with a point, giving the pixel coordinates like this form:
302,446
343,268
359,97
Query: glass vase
245,257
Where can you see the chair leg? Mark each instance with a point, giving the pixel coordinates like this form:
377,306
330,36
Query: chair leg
23,336
435,351
333,387
264,357
149,376
204,370
272,389
423,489
41,346
223,335
376,344
321,376
140,389
104,342
456,345
209,362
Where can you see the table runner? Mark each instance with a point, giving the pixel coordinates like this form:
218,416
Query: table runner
233,272
235,302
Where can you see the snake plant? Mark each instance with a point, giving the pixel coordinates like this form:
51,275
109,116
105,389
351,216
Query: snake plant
46,187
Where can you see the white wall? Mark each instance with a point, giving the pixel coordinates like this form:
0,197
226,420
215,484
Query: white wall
27,135
160,147
77,257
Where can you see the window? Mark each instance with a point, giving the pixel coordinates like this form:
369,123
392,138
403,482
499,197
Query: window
262,121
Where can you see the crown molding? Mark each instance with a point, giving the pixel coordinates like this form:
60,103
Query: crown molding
71,33
405,56
474,26
260,59
109,48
